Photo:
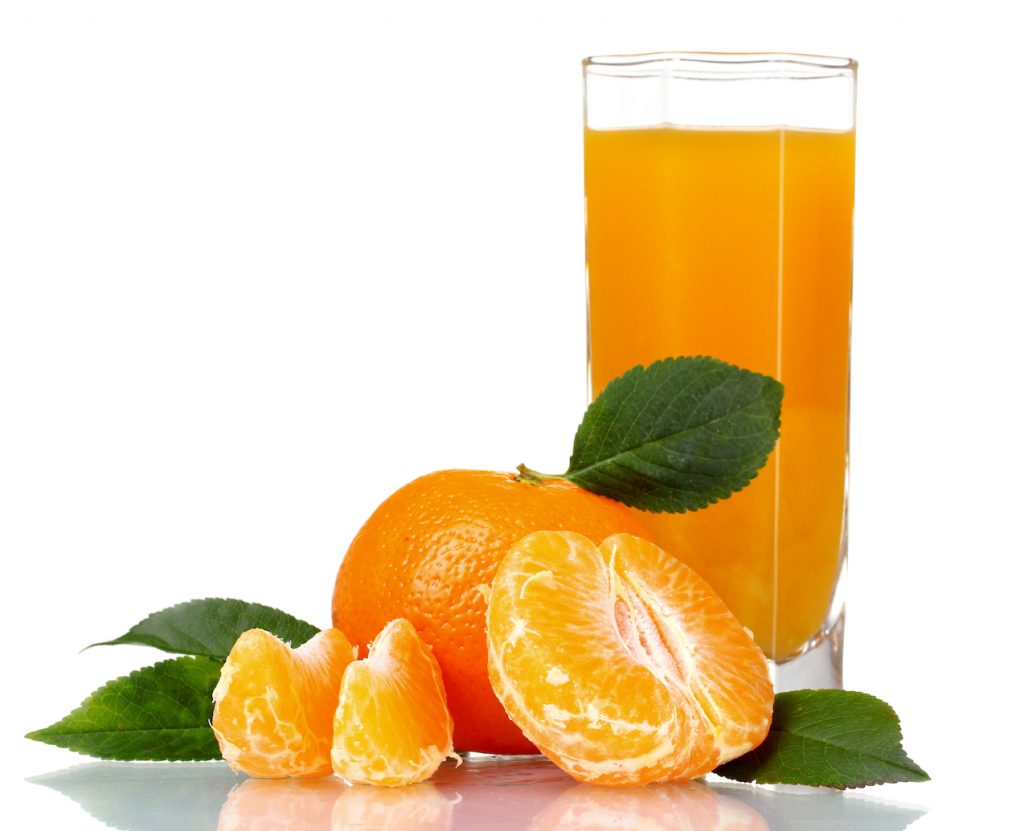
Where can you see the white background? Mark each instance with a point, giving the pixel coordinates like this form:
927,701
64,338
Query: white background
262,263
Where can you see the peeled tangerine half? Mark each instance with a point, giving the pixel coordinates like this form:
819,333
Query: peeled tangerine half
273,705
620,662
392,726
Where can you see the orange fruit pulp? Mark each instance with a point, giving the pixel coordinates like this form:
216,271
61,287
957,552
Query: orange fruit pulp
429,552
620,662
392,726
273,705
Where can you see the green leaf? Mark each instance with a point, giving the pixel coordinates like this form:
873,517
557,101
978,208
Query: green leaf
835,738
161,713
210,627
677,435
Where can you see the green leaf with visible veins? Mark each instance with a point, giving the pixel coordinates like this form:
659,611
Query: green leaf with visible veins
210,627
161,713
677,435
835,738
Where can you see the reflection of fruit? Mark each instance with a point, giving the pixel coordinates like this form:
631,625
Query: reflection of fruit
415,808
392,726
331,805
620,662
672,806
289,805
425,554
500,791
273,705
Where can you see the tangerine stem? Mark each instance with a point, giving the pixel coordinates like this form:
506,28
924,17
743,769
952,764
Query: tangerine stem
532,477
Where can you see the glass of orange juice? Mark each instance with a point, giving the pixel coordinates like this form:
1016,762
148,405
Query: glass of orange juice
719,205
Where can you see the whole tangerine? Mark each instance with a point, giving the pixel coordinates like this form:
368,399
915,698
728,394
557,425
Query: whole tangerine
429,553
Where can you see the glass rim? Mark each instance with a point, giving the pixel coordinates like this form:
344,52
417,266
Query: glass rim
723,65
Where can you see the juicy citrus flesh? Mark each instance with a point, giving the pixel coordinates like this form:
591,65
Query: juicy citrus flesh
392,726
429,552
274,705
620,662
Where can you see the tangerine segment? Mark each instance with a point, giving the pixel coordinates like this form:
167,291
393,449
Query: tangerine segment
709,654
392,726
620,663
273,704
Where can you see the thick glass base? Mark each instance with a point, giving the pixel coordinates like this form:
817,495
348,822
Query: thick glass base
818,667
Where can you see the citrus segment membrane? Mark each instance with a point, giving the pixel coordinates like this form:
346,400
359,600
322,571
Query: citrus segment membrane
619,662
273,705
392,726
699,645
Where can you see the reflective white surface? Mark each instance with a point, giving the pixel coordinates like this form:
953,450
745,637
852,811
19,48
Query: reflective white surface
510,794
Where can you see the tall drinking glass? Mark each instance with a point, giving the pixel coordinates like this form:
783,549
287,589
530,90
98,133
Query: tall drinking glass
719,199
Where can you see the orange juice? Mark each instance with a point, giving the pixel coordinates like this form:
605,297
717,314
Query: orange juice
736,243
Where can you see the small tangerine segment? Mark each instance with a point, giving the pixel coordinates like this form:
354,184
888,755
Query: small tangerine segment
392,726
273,705
620,663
